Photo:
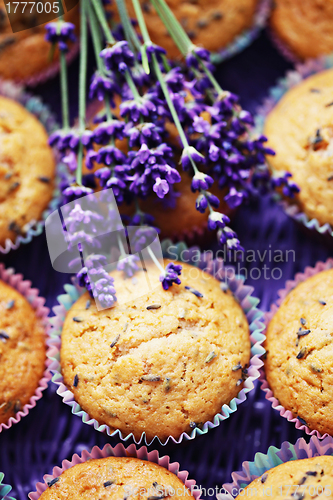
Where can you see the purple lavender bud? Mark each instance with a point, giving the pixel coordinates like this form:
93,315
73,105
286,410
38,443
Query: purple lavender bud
161,187
201,203
61,33
118,57
103,174
212,199
192,60
234,198
75,192
112,129
170,276
90,159
109,155
201,181
152,48
217,220
189,152
128,265
102,86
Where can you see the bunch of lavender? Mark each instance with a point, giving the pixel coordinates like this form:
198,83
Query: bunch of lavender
215,144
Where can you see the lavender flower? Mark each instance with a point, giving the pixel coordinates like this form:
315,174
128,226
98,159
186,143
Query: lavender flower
102,86
60,32
129,265
118,57
190,153
201,181
170,275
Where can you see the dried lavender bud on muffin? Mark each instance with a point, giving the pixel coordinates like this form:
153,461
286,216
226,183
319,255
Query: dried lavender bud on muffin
27,170
22,351
304,26
299,348
163,363
212,24
26,53
115,478
299,479
300,130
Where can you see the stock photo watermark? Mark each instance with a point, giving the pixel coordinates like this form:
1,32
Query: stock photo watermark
23,15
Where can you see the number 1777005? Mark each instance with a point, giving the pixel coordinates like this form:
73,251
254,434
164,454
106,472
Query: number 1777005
30,7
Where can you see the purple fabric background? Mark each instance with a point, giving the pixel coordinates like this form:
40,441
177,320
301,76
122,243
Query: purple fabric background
50,433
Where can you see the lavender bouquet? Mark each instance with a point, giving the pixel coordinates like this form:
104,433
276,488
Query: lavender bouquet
131,151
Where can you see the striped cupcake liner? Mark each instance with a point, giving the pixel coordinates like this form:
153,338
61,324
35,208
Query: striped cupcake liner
4,489
42,312
291,79
290,284
118,451
204,261
42,112
282,47
274,457
245,38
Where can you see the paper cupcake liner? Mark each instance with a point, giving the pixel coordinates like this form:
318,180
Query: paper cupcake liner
35,106
118,451
245,38
241,292
37,303
282,47
52,70
290,284
4,489
262,463
284,84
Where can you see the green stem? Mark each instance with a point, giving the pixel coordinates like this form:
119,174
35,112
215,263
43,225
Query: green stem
131,84
130,33
172,109
102,19
95,34
121,246
82,84
181,39
64,91
141,21
155,260
173,26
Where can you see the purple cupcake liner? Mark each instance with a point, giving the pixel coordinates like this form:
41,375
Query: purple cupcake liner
262,463
292,78
42,312
42,112
206,263
290,284
282,47
245,38
118,451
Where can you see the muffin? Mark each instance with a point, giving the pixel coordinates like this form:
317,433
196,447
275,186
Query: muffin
116,477
212,24
163,363
300,130
27,170
22,351
304,26
26,53
299,346
301,479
